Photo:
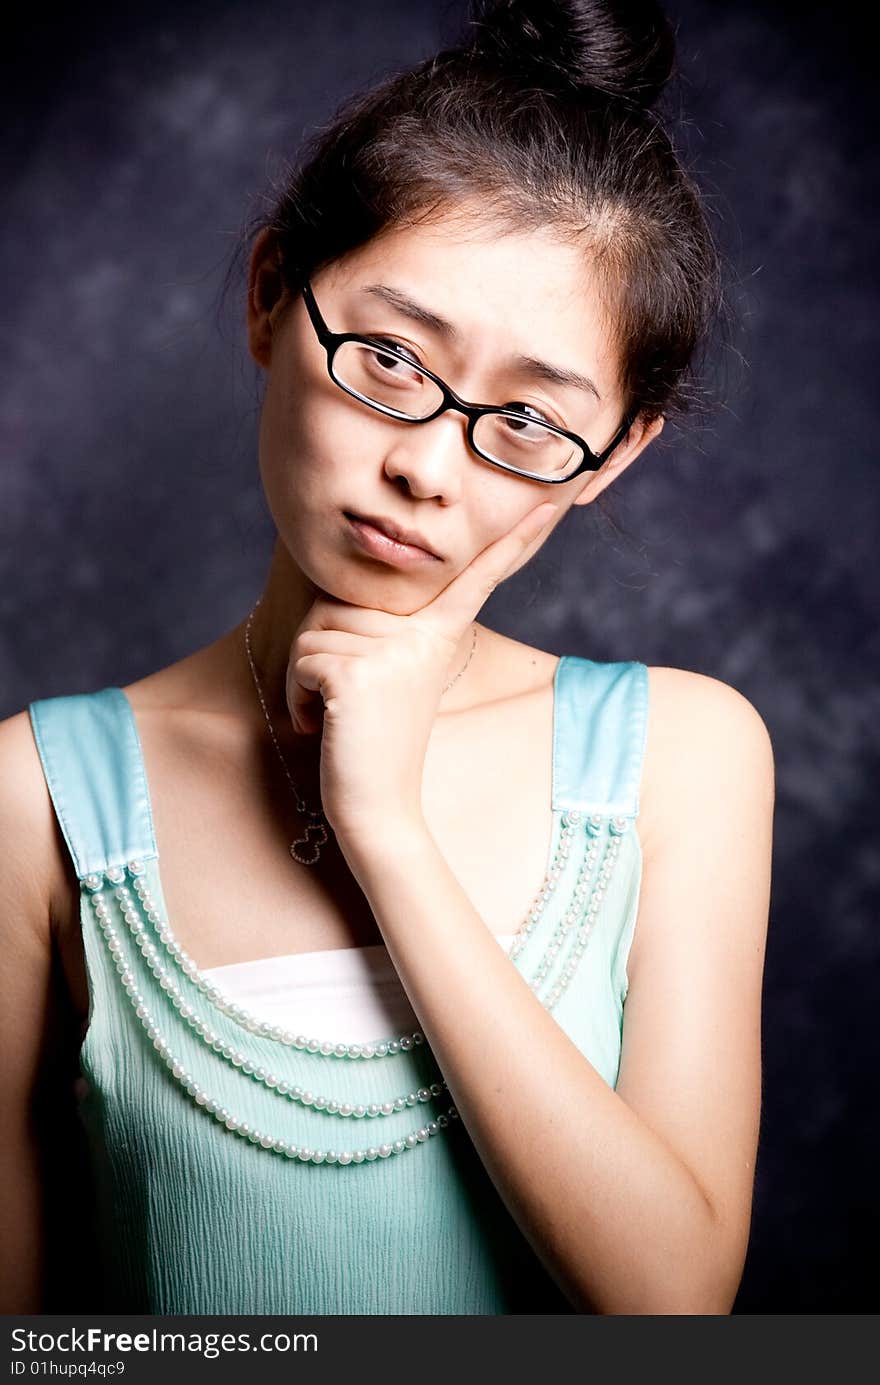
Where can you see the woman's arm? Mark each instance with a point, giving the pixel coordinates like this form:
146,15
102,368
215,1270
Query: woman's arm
25,1018
637,1200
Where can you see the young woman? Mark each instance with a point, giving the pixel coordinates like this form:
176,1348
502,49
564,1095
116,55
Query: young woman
363,1048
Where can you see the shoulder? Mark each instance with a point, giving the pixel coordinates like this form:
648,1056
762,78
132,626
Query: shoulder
706,746
678,695
687,707
25,808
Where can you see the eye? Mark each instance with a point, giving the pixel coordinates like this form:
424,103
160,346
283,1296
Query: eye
529,413
389,362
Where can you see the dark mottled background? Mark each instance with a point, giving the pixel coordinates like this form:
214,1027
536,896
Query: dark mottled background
133,529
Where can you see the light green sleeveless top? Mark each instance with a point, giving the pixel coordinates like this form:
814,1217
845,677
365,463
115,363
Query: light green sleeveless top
241,1168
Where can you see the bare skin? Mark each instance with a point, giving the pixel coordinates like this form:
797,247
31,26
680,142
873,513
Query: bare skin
223,810
224,813
224,816
671,1150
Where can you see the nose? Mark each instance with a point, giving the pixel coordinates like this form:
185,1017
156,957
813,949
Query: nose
430,458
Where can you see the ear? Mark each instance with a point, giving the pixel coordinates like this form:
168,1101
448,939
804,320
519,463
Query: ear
640,434
266,291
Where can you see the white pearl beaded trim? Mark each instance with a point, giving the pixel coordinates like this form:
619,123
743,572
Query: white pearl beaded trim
583,910
570,823
332,1106
238,1013
583,905
239,1127
116,875
571,820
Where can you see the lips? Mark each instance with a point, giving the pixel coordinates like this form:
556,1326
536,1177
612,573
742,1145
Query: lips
395,531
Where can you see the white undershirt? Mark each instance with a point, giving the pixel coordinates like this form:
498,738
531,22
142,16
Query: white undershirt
349,994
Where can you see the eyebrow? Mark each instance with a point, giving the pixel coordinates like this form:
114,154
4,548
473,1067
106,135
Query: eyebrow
527,365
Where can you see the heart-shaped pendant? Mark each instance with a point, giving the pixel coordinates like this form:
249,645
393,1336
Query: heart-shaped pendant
317,827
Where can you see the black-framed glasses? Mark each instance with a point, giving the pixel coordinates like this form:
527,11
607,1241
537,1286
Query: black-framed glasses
386,377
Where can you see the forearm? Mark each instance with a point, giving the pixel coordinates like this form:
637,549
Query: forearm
612,1212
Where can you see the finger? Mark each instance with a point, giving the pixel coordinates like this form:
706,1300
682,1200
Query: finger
317,640
306,686
330,613
460,601
304,700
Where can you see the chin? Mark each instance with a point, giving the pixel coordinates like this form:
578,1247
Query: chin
367,585
378,596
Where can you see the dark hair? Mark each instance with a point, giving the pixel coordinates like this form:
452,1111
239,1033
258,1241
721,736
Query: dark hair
541,115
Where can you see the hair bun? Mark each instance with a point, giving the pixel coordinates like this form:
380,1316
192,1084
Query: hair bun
625,48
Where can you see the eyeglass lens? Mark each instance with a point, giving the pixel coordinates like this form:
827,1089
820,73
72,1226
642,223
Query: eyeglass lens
399,386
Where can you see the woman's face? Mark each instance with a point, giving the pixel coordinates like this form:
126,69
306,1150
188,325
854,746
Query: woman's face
325,456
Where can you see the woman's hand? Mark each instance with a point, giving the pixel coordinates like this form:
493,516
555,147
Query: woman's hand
380,677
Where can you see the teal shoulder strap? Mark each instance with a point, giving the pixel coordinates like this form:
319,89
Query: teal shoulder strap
600,724
91,755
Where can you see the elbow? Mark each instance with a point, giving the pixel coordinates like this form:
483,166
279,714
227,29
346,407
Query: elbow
699,1279
707,1283
674,1299
679,1295
705,1276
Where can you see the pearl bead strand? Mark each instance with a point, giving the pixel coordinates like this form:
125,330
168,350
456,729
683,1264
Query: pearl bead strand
570,821
116,875
570,962
330,1105
224,1117
574,911
238,1014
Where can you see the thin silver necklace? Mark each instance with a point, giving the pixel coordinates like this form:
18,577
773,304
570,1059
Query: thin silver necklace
317,827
